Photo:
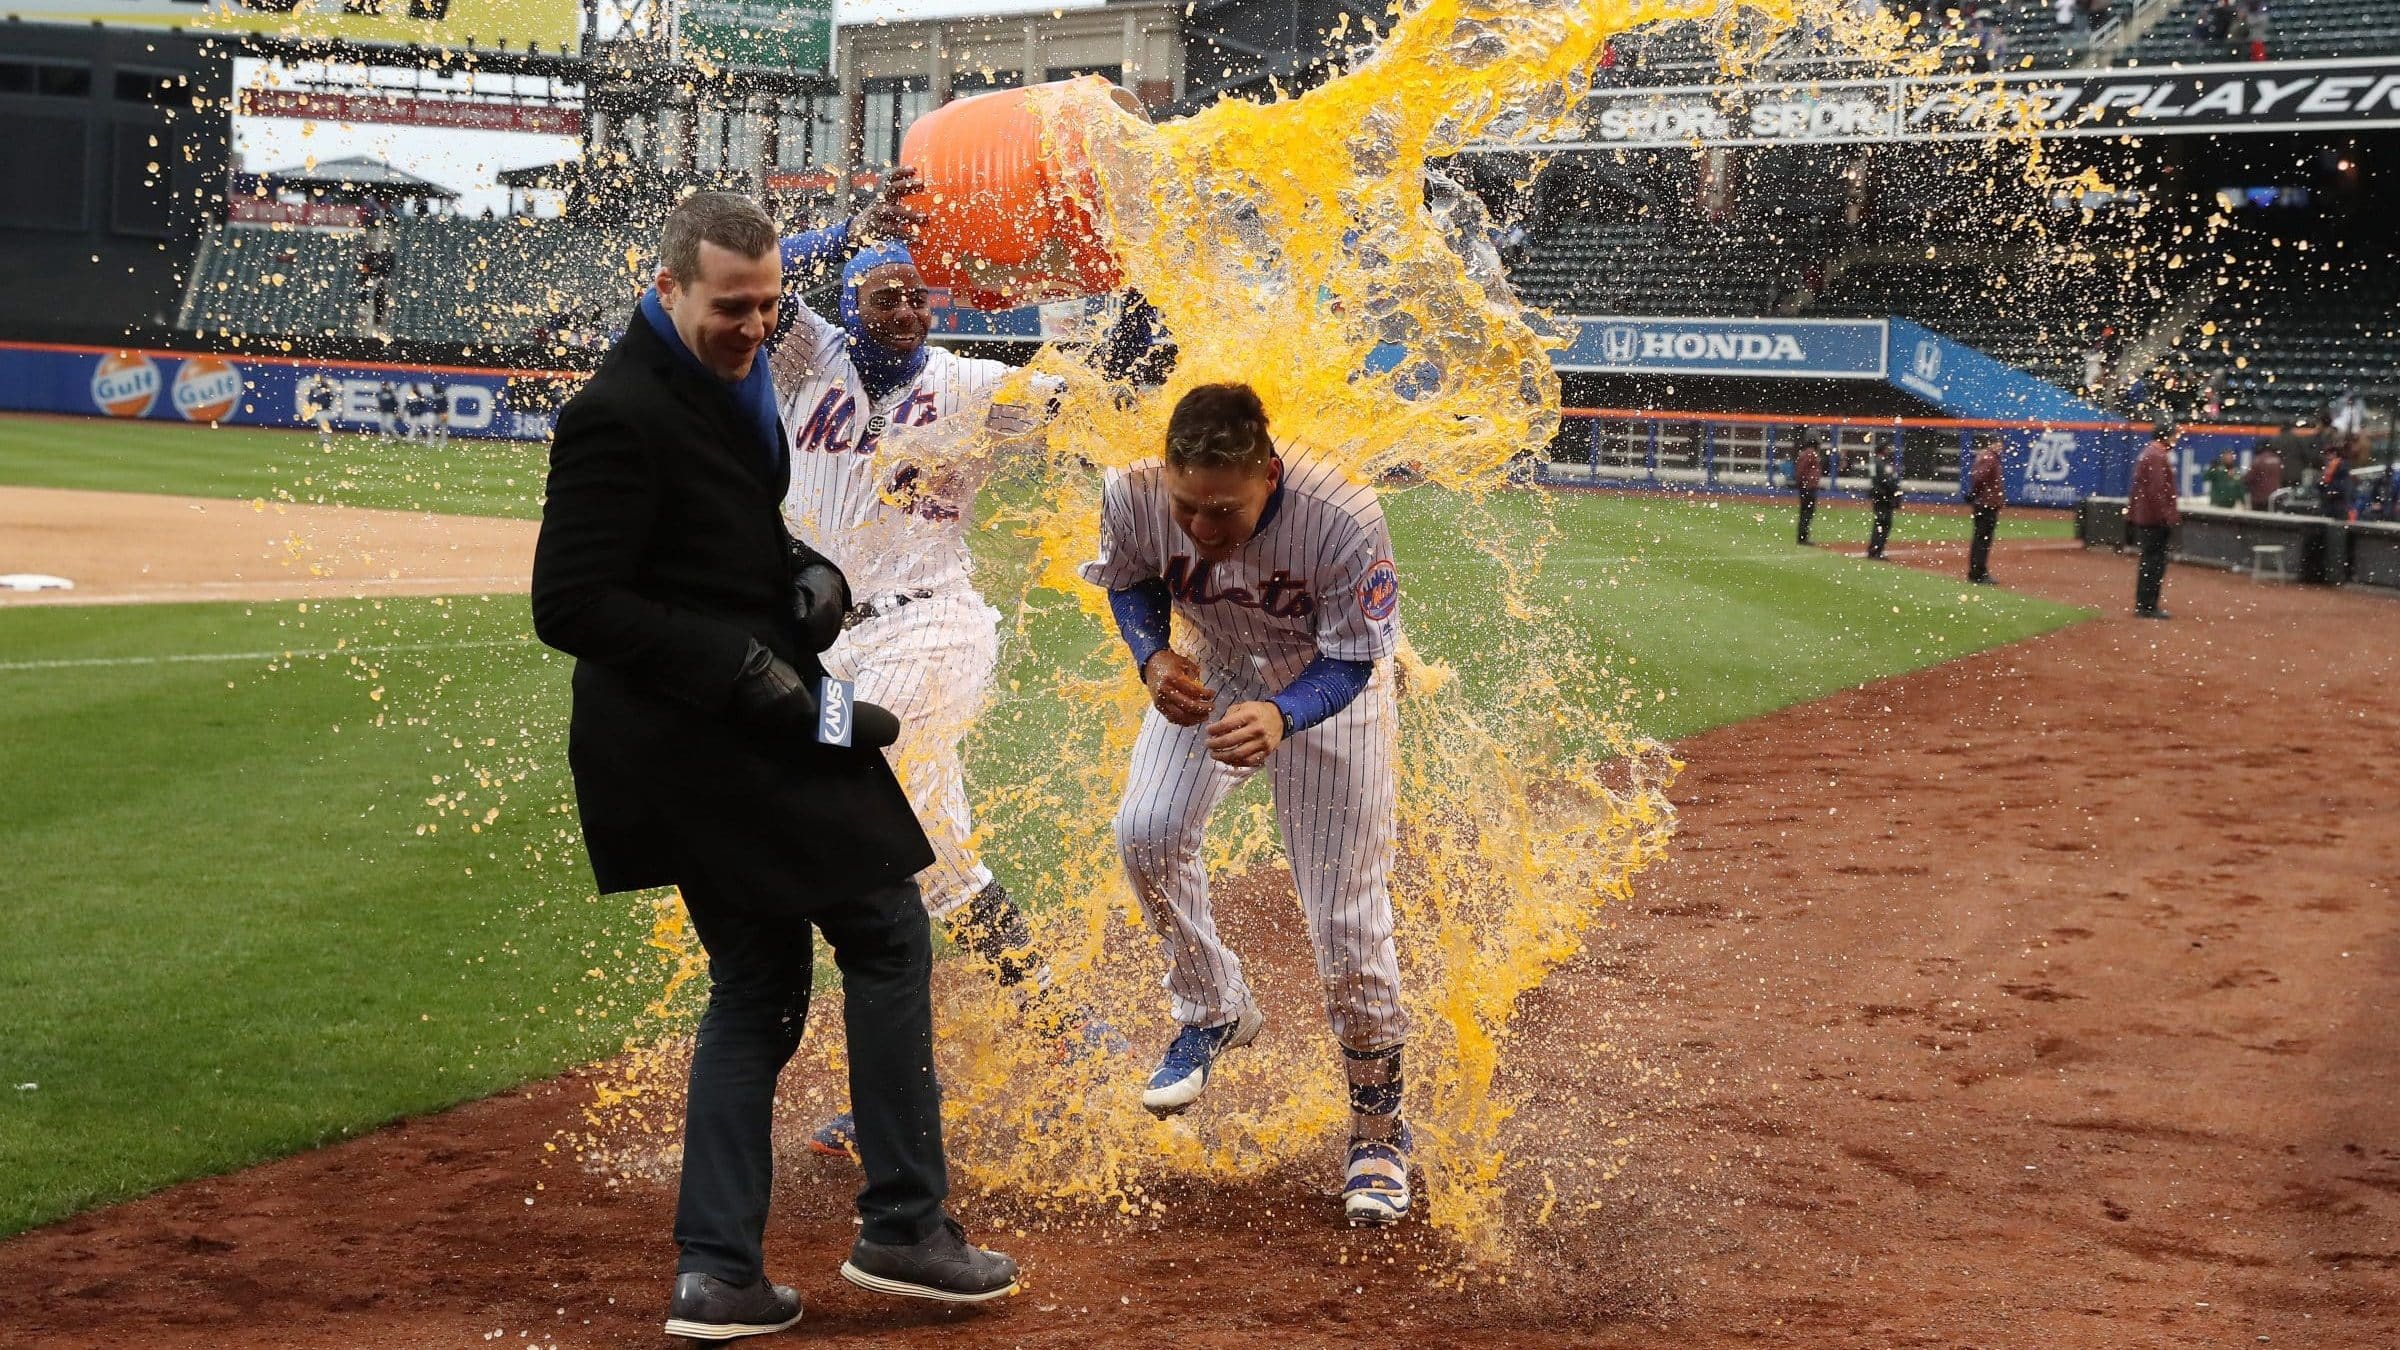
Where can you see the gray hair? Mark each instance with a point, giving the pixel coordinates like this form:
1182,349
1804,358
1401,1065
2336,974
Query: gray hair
726,219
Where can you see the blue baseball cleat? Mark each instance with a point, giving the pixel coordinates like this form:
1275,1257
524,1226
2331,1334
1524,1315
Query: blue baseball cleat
836,1138
1183,1074
1375,1185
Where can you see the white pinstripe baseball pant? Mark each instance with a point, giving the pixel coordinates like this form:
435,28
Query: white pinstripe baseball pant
930,662
1333,787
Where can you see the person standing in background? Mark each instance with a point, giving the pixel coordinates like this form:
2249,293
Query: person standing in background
2225,486
1988,492
1808,472
1883,494
2333,481
2153,514
2264,475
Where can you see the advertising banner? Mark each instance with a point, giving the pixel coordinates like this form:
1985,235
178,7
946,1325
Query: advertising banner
2344,94
546,25
1825,349
399,109
278,392
1964,382
759,34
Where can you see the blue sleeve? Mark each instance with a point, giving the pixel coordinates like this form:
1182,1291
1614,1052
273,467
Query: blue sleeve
807,252
1145,618
803,255
1325,688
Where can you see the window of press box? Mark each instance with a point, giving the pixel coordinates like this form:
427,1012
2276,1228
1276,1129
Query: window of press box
45,79
152,86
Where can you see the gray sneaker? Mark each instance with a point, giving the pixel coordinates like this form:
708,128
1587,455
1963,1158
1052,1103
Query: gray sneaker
706,1308
944,1267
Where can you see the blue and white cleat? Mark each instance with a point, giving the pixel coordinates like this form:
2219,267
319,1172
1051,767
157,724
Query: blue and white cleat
1375,1187
1183,1074
836,1138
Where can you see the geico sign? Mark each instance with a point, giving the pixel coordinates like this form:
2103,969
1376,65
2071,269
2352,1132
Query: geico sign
471,405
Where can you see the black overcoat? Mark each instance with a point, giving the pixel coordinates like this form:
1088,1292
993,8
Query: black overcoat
663,553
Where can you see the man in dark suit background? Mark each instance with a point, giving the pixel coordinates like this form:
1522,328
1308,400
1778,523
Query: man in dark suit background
2153,513
1987,490
1883,494
665,568
1808,474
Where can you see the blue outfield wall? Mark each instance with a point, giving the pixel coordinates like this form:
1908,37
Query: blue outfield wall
257,391
2055,452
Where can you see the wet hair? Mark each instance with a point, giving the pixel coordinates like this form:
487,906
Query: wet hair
1219,426
726,219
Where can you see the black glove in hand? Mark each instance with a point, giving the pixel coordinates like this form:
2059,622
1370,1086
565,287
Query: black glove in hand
770,695
820,598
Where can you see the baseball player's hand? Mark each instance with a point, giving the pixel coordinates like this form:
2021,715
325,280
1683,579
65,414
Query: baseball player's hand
1176,690
887,216
1248,733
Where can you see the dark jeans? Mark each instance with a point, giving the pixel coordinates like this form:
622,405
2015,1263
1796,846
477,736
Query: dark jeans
1808,511
1882,533
1979,554
2151,571
759,969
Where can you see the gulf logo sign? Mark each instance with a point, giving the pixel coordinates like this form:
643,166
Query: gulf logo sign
125,384
207,388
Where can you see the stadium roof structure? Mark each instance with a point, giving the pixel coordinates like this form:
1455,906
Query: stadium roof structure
354,176
559,176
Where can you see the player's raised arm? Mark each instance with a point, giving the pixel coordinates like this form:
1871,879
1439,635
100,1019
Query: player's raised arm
813,257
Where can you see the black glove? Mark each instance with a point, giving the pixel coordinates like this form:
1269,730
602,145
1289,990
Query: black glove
770,695
820,597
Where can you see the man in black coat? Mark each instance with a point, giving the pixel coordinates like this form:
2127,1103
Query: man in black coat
1883,494
665,568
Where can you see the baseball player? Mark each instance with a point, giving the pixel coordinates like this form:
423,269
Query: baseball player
920,641
1279,571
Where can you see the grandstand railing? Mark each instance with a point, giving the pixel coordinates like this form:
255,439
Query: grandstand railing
1751,453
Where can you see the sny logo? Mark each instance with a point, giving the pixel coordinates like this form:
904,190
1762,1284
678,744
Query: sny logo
833,711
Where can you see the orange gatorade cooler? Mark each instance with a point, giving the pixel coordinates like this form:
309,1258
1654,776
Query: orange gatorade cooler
1005,216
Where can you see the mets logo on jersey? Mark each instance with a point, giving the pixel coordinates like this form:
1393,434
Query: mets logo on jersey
1379,590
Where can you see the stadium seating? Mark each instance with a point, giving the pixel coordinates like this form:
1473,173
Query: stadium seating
464,282
2299,30
254,281
2295,342
501,282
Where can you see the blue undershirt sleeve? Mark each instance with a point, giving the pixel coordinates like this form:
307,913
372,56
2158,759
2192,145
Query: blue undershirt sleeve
806,252
1326,687
1145,618
803,255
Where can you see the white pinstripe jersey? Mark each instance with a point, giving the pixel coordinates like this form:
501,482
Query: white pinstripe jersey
1317,577
836,502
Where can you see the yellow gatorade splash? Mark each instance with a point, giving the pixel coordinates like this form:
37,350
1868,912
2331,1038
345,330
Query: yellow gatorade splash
1289,245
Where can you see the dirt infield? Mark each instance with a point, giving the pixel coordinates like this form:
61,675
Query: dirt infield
133,548
2046,998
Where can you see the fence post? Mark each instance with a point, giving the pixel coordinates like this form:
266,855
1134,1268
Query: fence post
1708,454
1595,454
1650,456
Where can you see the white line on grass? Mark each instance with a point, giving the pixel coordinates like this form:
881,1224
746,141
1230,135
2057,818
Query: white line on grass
197,658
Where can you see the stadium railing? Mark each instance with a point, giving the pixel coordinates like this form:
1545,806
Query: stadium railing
1751,453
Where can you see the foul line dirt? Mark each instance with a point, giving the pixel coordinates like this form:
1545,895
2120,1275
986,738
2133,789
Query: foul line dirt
132,548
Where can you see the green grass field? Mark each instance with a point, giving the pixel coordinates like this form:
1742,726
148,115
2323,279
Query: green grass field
240,918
